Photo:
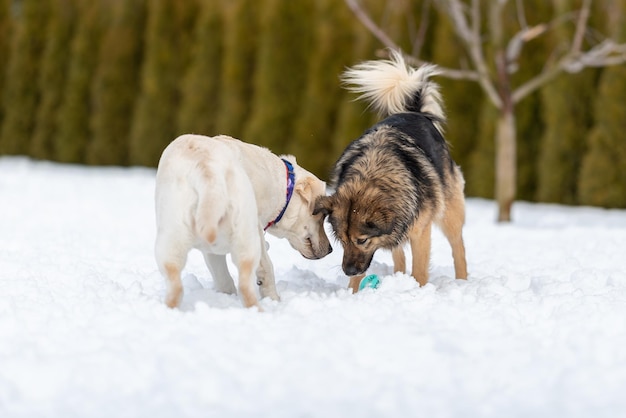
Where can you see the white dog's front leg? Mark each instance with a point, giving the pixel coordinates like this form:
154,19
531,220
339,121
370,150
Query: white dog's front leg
265,274
223,281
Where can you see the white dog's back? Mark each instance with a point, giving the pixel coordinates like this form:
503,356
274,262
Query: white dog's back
196,176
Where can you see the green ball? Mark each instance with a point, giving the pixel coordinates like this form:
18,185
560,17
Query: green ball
371,281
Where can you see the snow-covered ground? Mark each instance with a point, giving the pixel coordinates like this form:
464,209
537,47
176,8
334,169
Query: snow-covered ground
538,330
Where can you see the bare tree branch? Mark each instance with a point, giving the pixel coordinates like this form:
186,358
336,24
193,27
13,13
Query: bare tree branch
527,34
515,45
454,10
521,16
379,33
472,41
605,54
581,27
420,39
371,25
536,82
476,19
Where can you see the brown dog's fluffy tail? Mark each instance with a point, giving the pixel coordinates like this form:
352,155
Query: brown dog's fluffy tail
391,86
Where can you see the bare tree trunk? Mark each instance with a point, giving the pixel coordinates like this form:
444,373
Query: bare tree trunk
506,163
506,158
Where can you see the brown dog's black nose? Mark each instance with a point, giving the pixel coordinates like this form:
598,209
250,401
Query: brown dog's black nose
351,270
330,249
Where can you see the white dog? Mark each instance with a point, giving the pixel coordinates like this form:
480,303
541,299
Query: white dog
219,195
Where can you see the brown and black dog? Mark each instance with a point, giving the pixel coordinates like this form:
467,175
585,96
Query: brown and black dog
398,178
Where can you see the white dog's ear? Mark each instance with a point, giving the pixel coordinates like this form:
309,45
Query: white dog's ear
304,188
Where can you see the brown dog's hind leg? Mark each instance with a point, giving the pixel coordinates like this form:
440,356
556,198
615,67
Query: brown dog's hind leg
420,249
452,228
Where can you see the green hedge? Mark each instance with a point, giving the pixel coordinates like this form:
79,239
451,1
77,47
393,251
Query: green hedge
112,82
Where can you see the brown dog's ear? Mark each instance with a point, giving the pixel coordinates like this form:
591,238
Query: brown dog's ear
323,205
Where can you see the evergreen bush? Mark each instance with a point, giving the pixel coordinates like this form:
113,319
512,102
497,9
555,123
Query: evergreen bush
21,94
116,83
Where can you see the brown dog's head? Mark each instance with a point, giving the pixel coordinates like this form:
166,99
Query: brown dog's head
363,220
300,226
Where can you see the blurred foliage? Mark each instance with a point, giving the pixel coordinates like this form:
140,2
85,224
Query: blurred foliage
284,52
21,94
602,179
168,42
568,117
114,81
240,44
73,133
53,74
201,80
5,37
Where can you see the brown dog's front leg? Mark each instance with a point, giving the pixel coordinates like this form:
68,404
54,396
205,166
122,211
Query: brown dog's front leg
355,281
399,259
420,248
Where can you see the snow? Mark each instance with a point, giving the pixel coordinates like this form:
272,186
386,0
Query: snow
539,329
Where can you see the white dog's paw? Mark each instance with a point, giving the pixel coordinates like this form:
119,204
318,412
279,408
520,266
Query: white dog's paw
173,298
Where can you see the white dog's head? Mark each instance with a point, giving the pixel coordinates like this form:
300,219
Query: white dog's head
304,231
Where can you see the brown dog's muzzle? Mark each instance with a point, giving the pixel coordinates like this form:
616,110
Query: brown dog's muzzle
356,263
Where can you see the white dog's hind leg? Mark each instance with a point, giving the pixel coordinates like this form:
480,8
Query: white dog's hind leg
265,274
247,269
174,285
171,258
246,255
171,268
222,280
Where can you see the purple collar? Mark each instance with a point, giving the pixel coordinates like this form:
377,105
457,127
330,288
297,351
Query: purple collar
291,182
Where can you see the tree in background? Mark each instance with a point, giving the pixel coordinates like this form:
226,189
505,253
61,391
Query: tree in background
280,79
200,86
52,76
602,179
116,83
21,95
5,36
168,37
240,32
492,63
73,131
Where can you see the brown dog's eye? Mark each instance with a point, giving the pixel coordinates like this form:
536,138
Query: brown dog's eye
361,241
